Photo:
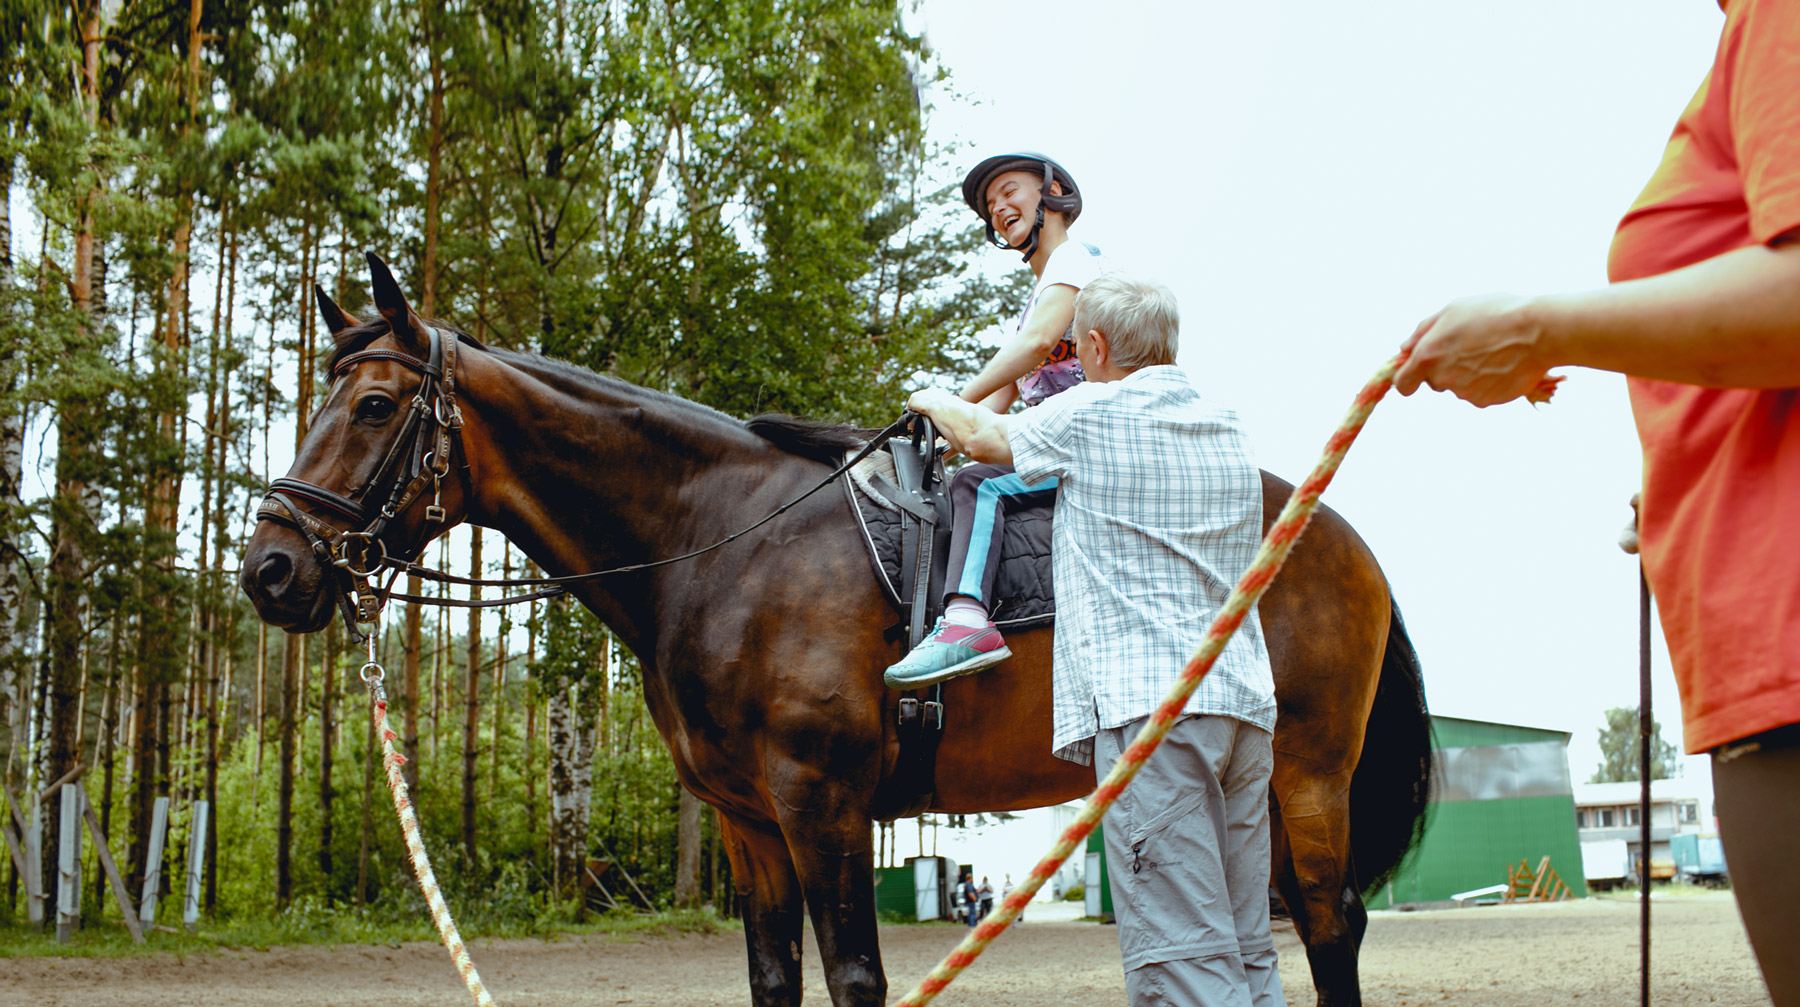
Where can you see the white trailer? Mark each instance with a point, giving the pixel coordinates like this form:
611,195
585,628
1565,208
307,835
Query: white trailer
1606,862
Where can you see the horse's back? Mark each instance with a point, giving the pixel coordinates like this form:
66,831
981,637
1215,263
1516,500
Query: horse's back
1326,620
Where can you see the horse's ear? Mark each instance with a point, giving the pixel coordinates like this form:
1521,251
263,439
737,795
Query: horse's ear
337,320
407,327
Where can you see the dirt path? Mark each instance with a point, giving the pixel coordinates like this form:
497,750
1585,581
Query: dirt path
1500,956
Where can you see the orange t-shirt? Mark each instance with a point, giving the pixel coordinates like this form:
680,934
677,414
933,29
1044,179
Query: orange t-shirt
1721,506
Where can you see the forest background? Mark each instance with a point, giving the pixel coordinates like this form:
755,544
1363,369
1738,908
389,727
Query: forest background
724,200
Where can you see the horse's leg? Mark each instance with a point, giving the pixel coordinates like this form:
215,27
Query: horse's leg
830,838
769,892
1312,857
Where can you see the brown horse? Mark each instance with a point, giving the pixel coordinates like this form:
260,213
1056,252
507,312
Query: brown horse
762,659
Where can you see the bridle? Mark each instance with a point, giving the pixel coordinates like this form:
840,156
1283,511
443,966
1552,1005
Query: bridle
420,456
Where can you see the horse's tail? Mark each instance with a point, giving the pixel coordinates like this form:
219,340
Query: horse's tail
1392,784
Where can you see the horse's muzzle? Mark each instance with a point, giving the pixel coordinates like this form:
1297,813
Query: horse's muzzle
285,581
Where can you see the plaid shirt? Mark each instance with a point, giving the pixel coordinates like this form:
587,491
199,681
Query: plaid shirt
1159,512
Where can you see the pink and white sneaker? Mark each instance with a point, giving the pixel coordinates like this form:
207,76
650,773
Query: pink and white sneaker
949,652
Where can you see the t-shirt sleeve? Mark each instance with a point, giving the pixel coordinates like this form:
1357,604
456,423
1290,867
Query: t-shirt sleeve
1072,265
1045,438
1765,114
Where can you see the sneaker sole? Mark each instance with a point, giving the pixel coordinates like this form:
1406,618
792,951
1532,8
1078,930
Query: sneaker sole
968,667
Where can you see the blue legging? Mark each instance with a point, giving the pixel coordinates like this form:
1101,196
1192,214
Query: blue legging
980,495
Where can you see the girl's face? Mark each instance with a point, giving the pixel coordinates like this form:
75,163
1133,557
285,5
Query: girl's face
1012,202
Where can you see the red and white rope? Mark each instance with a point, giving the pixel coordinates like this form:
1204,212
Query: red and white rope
1250,587
392,760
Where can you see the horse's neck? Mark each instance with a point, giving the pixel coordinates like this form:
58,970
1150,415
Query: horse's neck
589,476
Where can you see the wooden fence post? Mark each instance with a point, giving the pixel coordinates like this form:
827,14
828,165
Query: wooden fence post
110,869
159,825
68,863
196,861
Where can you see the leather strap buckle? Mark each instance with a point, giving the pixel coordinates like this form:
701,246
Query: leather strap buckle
909,709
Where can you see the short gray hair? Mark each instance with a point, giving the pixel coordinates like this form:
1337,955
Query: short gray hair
1140,319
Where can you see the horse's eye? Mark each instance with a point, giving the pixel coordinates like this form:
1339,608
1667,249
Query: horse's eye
374,408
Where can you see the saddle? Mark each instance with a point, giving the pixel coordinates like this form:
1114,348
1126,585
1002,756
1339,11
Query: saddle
900,501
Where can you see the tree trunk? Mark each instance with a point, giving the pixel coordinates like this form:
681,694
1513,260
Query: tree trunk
12,456
409,685
687,851
498,700
143,765
570,738
291,655
328,685
103,747
70,517
434,174
440,654
471,707
260,710
529,773
223,636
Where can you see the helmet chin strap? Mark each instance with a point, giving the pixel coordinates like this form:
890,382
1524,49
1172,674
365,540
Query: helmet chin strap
1031,244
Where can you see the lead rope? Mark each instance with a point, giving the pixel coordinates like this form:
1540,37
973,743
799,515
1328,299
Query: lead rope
1269,558
392,760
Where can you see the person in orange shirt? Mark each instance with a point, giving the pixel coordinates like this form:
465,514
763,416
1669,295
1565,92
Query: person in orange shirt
1703,315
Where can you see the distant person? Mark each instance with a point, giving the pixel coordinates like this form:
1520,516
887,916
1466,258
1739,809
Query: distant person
986,893
1703,315
1027,202
1158,513
1006,891
971,899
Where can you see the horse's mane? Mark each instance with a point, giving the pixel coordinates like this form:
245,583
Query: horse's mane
814,439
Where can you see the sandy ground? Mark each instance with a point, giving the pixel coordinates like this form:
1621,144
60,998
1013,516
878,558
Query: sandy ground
1497,956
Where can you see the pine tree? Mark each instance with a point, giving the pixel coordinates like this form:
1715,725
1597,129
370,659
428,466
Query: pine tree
1620,752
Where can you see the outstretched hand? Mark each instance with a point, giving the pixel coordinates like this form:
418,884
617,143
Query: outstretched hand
1485,350
932,402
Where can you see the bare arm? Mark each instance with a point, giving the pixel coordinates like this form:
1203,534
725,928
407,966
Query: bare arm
971,429
1731,321
1049,319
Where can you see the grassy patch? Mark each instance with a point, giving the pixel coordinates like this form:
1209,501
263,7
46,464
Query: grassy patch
314,925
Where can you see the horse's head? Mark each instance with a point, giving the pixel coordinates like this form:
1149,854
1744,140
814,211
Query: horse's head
377,474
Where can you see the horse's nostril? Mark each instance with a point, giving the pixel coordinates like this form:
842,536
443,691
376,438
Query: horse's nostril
275,571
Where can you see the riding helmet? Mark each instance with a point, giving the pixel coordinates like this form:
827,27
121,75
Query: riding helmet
976,182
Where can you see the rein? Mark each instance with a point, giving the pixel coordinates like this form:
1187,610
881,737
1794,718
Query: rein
555,585
419,457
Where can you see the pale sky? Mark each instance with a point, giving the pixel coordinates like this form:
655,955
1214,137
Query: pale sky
1314,178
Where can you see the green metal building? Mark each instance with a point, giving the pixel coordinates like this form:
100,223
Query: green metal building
1501,794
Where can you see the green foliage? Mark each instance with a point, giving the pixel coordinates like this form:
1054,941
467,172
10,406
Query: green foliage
726,200
1620,752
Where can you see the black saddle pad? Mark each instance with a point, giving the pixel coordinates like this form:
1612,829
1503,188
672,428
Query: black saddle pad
1023,592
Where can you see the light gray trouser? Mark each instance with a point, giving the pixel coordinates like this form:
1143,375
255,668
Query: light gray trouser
1187,851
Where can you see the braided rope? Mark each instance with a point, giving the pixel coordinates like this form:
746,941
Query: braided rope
1250,587
392,760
